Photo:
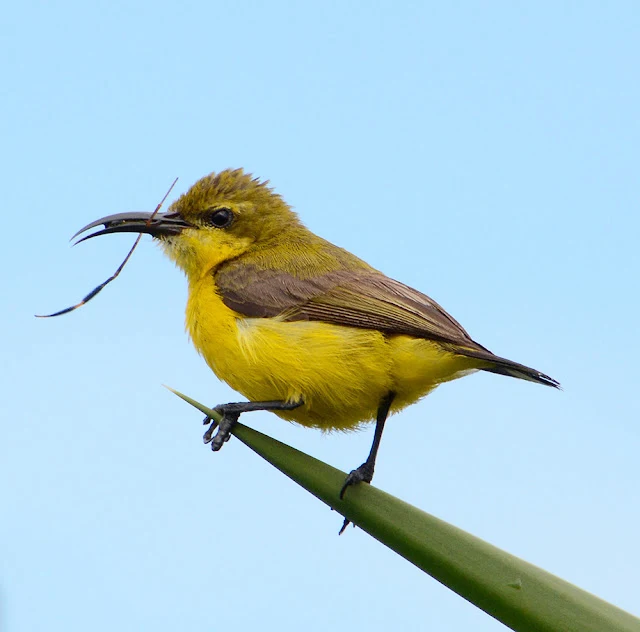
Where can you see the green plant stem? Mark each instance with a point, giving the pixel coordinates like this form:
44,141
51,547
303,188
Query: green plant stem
520,595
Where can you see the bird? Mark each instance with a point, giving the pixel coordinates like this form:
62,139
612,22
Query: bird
297,325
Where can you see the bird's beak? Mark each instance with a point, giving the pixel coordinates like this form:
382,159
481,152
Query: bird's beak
160,225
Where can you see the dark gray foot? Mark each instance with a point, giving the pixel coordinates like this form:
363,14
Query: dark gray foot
230,415
362,474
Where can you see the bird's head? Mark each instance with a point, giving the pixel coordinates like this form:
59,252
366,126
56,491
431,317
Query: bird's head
219,218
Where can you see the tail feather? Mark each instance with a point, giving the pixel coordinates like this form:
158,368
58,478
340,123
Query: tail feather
502,366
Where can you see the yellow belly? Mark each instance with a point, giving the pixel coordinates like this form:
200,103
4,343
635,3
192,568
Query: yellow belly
340,373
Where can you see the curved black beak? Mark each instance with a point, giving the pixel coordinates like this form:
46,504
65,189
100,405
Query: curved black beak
160,225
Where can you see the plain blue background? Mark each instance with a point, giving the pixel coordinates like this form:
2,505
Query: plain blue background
485,153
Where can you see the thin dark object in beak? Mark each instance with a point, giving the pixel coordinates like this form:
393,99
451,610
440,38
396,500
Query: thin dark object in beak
100,287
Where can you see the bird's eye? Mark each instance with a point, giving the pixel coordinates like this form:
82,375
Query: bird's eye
220,217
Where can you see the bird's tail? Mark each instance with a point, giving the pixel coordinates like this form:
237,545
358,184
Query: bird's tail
502,366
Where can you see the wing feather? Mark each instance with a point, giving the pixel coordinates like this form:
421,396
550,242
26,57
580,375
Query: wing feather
355,296
361,298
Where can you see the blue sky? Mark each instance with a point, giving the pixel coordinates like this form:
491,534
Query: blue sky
485,153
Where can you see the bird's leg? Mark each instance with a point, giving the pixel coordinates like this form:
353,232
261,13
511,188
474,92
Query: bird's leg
230,414
364,473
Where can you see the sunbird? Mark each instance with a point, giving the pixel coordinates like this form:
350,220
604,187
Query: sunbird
297,325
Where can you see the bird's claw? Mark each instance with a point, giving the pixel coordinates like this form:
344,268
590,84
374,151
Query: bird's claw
208,435
362,474
345,524
224,427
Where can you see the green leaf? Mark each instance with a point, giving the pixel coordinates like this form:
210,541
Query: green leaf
520,595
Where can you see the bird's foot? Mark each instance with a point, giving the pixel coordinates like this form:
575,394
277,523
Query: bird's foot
362,474
230,415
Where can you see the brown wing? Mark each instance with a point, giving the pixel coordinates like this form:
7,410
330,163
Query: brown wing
357,296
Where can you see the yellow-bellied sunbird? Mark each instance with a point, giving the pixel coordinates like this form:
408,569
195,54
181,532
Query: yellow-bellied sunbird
297,325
